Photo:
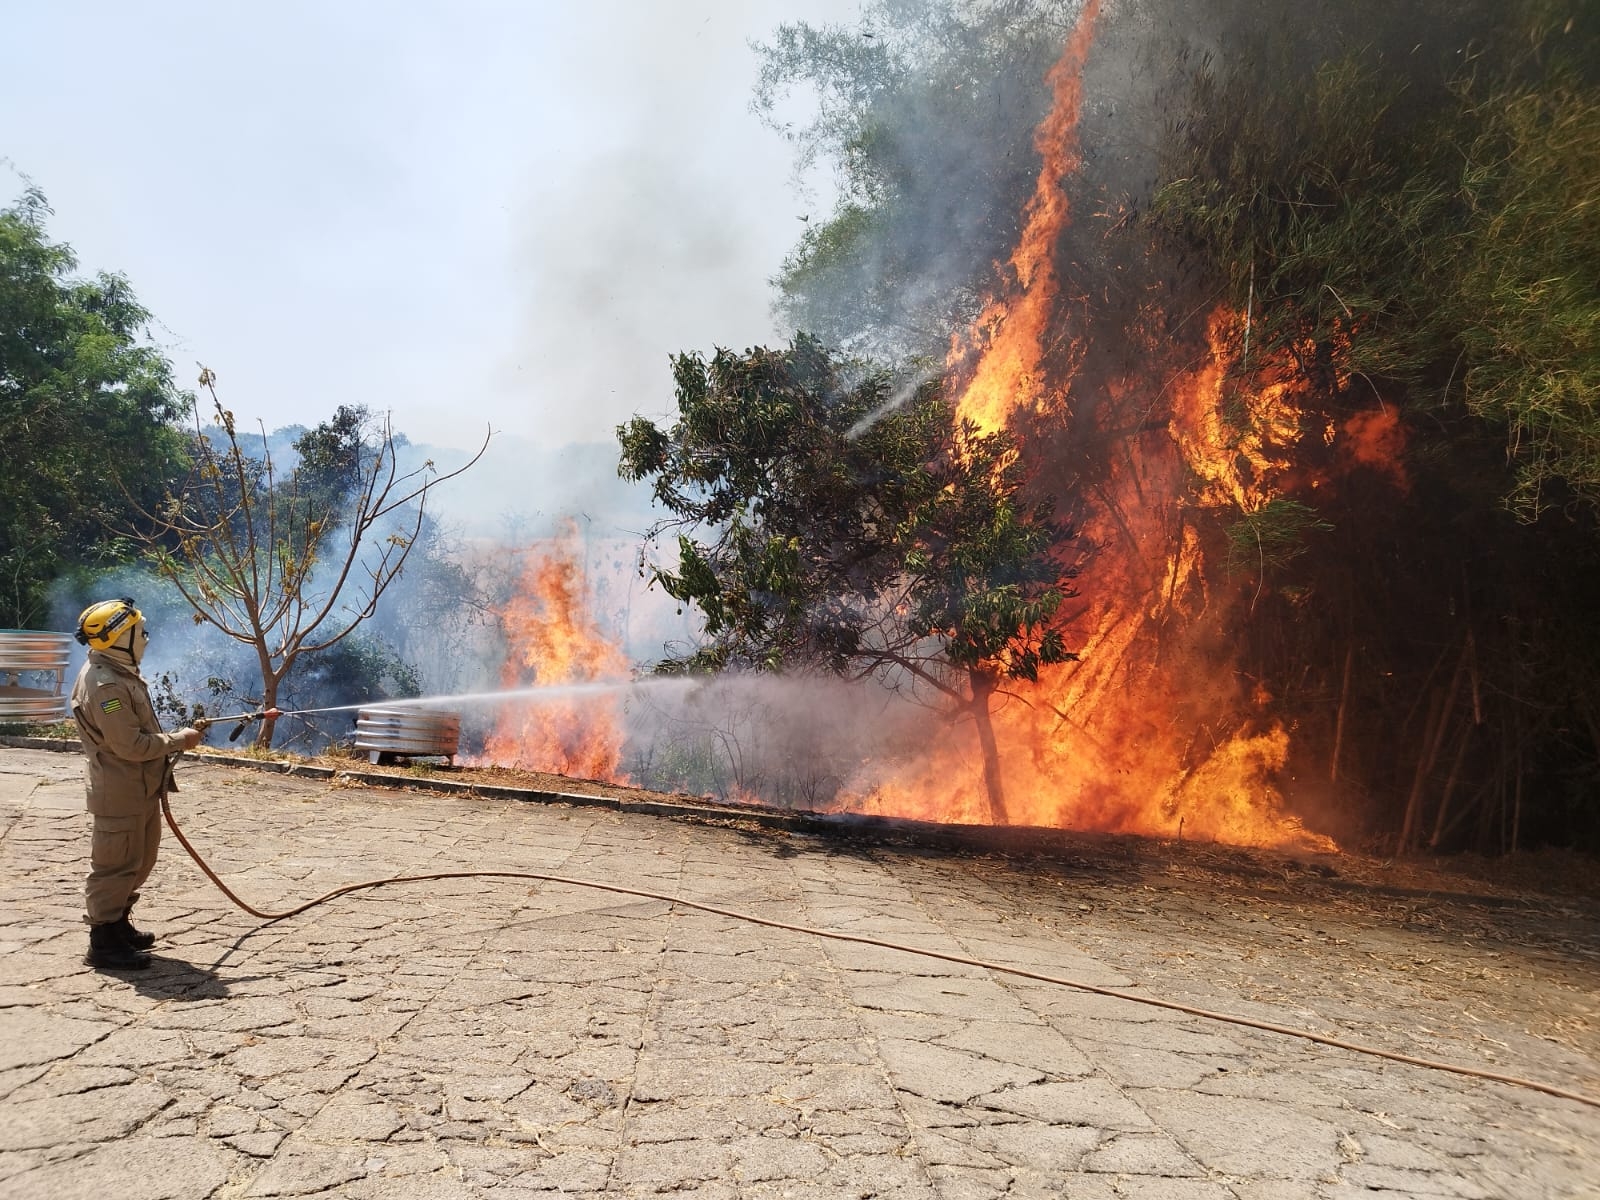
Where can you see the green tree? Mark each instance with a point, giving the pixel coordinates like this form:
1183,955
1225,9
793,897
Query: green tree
289,566
87,406
328,467
852,526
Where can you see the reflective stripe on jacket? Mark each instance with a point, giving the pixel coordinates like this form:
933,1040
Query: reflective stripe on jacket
124,748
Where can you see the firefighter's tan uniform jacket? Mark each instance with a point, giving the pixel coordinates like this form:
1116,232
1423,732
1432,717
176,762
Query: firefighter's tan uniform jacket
126,768
122,740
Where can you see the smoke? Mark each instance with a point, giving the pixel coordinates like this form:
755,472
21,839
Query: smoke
185,663
655,229
940,151
423,634
793,742
927,111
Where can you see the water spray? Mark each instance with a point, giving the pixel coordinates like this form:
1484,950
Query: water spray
545,691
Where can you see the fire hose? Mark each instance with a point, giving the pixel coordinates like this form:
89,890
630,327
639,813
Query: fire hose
835,935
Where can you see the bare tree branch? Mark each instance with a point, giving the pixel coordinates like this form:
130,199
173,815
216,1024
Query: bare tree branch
254,554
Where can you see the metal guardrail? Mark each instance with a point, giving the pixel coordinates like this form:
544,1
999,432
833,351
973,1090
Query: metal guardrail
407,733
36,657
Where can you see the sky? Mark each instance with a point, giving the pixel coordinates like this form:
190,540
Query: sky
471,215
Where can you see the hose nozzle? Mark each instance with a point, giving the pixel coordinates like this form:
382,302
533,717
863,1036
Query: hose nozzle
245,720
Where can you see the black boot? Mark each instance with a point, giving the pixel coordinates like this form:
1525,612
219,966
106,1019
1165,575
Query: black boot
134,937
107,950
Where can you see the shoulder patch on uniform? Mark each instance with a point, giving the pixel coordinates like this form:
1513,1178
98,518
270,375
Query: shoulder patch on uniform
112,705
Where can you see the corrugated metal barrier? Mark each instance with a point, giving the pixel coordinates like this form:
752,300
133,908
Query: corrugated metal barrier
407,733
33,673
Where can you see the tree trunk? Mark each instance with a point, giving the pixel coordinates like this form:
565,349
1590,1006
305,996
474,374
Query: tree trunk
1433,732
1439,826
1414,801
269,699
983,684
1338,722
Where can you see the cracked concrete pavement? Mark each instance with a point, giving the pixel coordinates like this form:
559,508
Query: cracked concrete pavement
511,1039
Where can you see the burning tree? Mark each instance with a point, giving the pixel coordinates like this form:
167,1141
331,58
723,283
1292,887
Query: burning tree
294,564
1300,304
857,528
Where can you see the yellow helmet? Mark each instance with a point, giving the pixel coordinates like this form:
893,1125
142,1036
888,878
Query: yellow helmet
102,625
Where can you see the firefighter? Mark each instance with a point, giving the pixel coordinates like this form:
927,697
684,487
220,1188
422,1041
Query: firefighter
127,769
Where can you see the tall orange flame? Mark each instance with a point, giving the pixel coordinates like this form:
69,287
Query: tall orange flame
1008,337
553,640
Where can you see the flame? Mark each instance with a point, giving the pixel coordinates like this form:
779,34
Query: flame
1008,337
1144,735
553,639
1234,437
1376,439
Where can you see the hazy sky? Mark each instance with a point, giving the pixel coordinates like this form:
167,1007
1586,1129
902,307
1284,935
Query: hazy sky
469,213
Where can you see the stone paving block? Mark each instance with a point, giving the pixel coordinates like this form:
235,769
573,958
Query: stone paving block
29,1036
836,1089
762,1159
1387,1151
666,1079
70,1079
1093,1102
1154,1066
1275,1189
235,1014
1250,1138
679,1120
1035,1147
951,1076
669,1166
970,1183
409,1187
1148,1187
970,999
1376,1178
303,1169
565,1172
353,1117
263,1143
1021,1042
893,1181
98,1116
1140,1154
130,1169
945,1147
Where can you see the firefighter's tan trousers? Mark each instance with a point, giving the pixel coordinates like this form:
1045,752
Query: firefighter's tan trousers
123,855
